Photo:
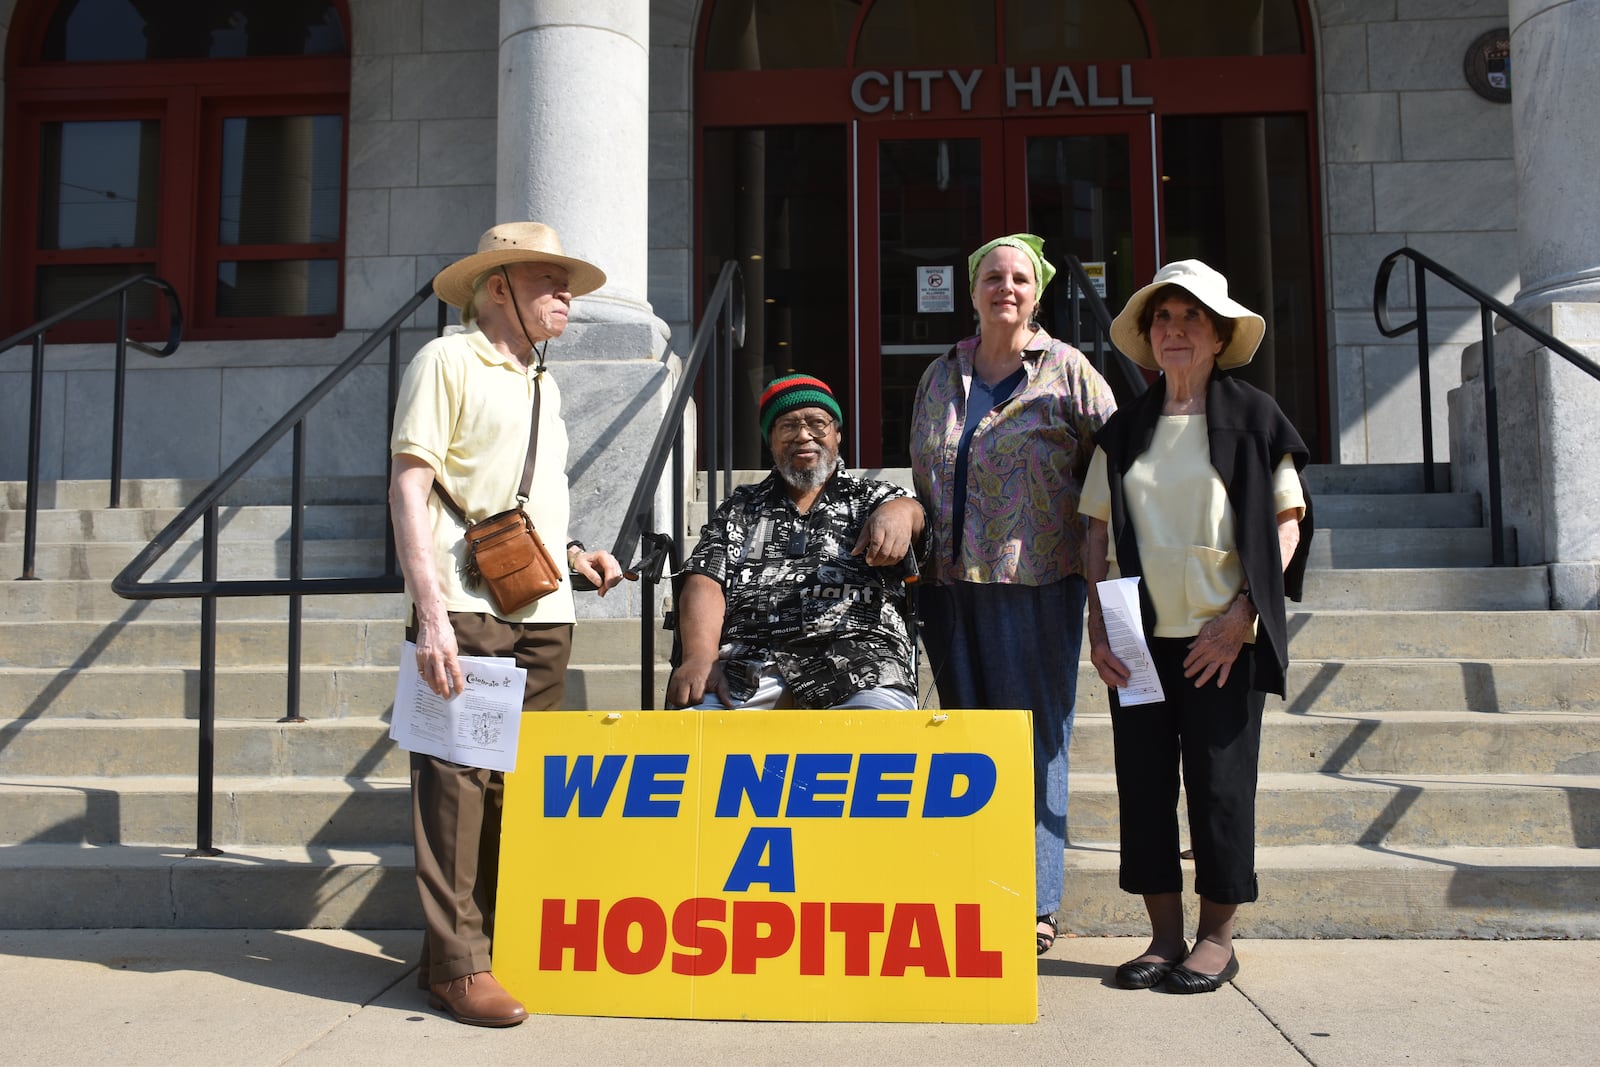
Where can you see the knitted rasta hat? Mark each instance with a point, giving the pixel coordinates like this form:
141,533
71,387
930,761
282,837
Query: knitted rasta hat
795,391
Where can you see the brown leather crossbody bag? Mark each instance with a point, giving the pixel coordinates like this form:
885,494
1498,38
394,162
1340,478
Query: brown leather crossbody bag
504,551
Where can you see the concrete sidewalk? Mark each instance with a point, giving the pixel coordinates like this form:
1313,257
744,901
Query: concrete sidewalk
240,998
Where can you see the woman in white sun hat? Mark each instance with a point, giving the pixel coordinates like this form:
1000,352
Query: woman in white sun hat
1194,488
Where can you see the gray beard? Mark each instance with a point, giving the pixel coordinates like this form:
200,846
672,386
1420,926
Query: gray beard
806,480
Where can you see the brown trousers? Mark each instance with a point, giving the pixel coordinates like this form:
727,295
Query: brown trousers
455,810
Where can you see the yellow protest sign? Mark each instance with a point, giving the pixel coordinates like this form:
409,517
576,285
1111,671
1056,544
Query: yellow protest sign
850,865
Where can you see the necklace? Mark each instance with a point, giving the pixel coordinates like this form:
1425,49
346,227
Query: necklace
1193,405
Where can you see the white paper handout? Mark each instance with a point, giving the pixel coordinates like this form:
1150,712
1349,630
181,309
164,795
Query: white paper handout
1119,607
477,727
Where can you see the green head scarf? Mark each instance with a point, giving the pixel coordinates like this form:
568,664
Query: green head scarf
1032,247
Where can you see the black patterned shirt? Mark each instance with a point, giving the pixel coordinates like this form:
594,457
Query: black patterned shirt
832,624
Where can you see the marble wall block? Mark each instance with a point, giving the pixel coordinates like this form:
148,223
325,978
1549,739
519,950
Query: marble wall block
1348,187
383,155
1361,127
374,288
1422,54
1454,124
1349,12
460,25
457,152
1343,59
445,85
385,27
1482,195
444,219
16,392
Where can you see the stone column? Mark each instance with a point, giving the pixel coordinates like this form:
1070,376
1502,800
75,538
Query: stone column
1547,441
573,145
1555,95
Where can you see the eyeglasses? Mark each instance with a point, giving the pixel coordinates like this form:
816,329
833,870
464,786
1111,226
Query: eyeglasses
816,426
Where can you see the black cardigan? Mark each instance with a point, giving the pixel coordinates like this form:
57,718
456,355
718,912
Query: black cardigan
1248,435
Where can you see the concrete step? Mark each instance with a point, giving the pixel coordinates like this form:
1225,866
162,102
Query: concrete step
1332,479
160,810
1482,589
1401,548
142,643
146,642
1345,891
327,692
178,493
253,523
91,600
1291,809
1566,743
1324,685
1451,809
1395,510
1328,891
102,561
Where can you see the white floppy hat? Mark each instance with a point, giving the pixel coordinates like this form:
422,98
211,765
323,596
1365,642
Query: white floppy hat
1206,286
514,242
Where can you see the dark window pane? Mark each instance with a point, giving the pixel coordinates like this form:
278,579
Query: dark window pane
930,214
60,287
779,34
1226,27
927,32
124,30
1237,195
97,184
269,288
1080,200
775,201
1045,31
280,180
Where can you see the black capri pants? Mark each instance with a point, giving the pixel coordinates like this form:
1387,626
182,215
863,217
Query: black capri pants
1215,733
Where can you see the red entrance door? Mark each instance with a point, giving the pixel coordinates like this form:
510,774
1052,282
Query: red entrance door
928,193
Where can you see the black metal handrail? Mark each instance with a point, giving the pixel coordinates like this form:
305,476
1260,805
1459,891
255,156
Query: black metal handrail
1121,373
1488,308
35,334
210,588
721,331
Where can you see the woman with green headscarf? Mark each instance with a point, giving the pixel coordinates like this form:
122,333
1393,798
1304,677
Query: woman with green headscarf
1001,436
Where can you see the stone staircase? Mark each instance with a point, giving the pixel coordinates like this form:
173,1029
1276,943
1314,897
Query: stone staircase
1434,772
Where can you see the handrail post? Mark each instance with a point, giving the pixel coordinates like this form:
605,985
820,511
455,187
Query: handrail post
1422,378
207,757
297,550
30,519
1491,418
119,386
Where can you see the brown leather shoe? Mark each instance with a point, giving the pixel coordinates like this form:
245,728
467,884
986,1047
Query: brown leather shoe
477,1000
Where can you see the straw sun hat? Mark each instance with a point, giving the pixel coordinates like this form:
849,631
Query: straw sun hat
514,242
1206,286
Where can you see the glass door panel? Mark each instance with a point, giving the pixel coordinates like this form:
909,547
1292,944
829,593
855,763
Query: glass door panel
928,196
1086,187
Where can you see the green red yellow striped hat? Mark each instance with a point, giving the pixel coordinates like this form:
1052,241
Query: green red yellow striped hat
795,391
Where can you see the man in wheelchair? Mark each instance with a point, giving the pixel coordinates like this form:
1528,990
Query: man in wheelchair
796,595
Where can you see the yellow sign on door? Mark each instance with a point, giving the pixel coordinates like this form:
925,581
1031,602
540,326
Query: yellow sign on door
850,865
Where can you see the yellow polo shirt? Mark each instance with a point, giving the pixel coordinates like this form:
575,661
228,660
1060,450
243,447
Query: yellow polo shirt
464,410
1183,521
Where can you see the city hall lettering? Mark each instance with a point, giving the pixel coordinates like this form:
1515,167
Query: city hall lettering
1082,85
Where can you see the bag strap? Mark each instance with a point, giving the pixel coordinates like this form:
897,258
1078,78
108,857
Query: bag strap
527,464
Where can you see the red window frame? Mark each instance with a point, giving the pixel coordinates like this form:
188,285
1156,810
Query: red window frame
190,98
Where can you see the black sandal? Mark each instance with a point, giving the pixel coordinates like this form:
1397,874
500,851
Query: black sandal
1045,937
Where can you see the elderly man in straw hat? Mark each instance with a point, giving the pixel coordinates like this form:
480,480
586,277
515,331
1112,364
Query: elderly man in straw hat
468,405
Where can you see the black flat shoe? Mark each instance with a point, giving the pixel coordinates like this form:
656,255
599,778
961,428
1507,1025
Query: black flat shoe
1143,974
1183,980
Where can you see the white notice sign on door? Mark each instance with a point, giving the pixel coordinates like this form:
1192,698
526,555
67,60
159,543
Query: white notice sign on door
934,289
